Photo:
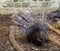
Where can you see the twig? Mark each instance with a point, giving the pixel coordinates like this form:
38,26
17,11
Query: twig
54,29
54,39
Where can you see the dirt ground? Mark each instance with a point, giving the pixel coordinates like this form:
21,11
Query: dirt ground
5,44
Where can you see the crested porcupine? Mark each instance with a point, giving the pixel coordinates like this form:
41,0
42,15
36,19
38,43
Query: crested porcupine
34,29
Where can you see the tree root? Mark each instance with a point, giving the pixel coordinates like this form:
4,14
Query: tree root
12,39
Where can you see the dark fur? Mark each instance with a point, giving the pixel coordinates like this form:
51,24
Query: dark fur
54,14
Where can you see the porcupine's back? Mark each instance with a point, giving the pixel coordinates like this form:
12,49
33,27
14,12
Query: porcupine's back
23,21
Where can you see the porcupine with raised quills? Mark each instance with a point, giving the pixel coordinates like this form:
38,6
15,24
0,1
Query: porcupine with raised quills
34,30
